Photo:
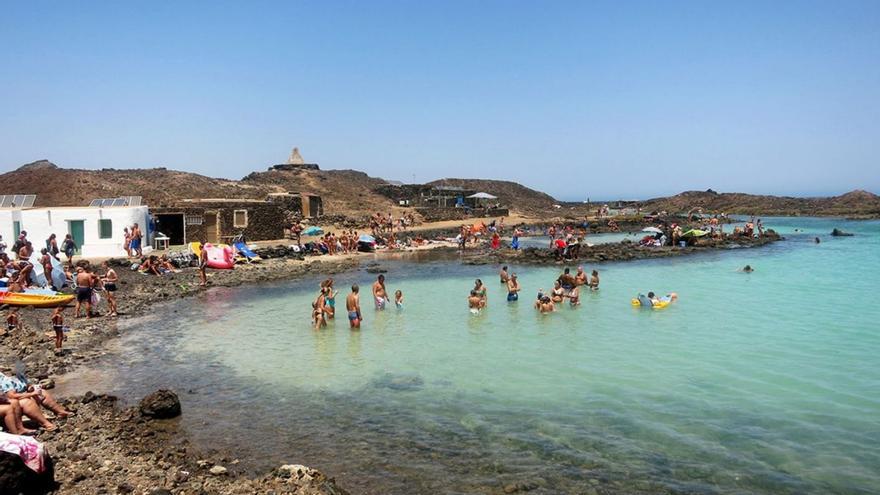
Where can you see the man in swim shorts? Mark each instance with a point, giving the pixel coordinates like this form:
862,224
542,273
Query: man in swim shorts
353,306
85,282
513,288
580,278
380,296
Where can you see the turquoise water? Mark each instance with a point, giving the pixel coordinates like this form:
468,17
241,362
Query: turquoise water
752,383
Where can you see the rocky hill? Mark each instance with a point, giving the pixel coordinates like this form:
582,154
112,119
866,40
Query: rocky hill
852,204
345,192
353,193
517,197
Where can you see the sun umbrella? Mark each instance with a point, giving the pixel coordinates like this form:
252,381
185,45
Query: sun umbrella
653,230
366,238
694,233
313,231
482,195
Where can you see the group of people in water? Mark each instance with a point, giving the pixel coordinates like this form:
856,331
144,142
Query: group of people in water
324,306
566,286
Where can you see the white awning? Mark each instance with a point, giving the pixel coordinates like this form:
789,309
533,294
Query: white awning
482,195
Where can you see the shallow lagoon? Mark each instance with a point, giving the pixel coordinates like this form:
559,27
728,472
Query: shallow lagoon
753,383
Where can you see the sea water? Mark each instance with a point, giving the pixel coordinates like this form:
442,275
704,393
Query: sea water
766,382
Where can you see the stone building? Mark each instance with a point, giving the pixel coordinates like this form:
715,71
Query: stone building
219,220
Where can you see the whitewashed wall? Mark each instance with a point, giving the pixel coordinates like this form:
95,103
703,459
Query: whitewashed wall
41,222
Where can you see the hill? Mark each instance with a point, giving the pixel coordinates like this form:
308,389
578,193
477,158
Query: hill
517,197
854,203
344,192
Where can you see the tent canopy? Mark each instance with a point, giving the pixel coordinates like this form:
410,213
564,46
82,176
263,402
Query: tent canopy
482,195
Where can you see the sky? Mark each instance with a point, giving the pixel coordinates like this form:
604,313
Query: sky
579,99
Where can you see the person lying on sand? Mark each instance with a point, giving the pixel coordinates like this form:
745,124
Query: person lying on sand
31,399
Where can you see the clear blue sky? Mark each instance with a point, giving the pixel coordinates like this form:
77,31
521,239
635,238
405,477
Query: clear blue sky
600,99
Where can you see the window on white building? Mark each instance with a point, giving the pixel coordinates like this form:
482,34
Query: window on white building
105,229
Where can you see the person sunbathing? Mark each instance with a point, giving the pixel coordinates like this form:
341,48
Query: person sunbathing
31,399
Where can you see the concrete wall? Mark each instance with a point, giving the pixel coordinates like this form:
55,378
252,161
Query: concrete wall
41,222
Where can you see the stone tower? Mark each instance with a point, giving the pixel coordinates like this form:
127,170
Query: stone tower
295,158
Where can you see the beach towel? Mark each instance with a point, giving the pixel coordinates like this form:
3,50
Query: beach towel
31,451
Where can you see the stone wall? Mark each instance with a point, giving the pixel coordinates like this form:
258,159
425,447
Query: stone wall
265,220
430,214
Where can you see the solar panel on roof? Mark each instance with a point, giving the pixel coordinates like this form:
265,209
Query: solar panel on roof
135,200
95,202
29,200
119,202
6,201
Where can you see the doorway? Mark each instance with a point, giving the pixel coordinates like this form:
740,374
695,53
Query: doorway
211,233
77,230
171,224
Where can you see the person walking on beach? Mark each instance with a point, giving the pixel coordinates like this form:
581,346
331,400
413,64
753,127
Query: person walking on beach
136,238
353,306
58,327
52,246
110,280
380,295
69,248
513,288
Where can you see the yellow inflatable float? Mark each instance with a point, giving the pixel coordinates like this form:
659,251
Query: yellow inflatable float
649,303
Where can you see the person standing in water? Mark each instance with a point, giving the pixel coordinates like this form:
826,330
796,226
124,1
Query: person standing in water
475,303
353,306
594,280
480,289
398,298
503,275
513,288
380,295
580,278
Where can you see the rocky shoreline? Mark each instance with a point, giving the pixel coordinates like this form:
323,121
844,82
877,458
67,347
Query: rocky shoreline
109,449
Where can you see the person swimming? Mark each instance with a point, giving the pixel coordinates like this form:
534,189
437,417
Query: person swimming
747,269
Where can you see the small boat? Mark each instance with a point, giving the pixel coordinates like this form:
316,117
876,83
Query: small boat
37,300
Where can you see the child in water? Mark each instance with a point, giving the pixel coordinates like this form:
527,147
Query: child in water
398,298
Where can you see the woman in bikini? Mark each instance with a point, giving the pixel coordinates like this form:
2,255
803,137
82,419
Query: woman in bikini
110,280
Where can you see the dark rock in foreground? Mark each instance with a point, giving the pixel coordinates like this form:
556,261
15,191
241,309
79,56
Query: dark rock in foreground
161,404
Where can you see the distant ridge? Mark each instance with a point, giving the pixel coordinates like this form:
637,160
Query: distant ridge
353,193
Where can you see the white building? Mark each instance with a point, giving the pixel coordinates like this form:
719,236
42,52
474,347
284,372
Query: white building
96,230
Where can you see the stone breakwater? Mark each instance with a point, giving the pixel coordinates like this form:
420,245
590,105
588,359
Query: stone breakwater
622,251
